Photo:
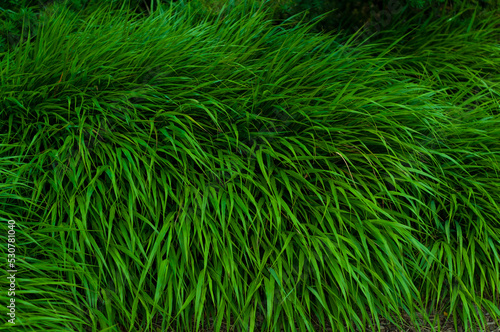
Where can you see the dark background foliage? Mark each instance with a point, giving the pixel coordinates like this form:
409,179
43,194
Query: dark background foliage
17,17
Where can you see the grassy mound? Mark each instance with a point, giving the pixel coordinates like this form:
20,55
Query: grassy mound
176,171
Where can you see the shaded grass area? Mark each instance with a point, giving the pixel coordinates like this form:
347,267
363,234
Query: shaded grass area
170,169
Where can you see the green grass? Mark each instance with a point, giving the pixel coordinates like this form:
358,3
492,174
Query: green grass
169,169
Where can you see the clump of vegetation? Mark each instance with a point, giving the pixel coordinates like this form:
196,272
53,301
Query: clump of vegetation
11,25
19,18
351,16
182,170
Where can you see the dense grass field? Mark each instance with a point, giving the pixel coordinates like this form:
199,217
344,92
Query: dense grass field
181,172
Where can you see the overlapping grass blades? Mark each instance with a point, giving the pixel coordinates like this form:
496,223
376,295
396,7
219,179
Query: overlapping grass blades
169,170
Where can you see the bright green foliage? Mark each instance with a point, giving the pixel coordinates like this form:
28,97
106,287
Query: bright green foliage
176,168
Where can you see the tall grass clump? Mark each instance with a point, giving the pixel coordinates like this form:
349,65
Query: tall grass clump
459,59
179,172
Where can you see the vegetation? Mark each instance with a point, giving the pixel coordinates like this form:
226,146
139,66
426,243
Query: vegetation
181,170
17,17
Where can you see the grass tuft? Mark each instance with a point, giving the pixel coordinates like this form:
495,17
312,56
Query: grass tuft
182,170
